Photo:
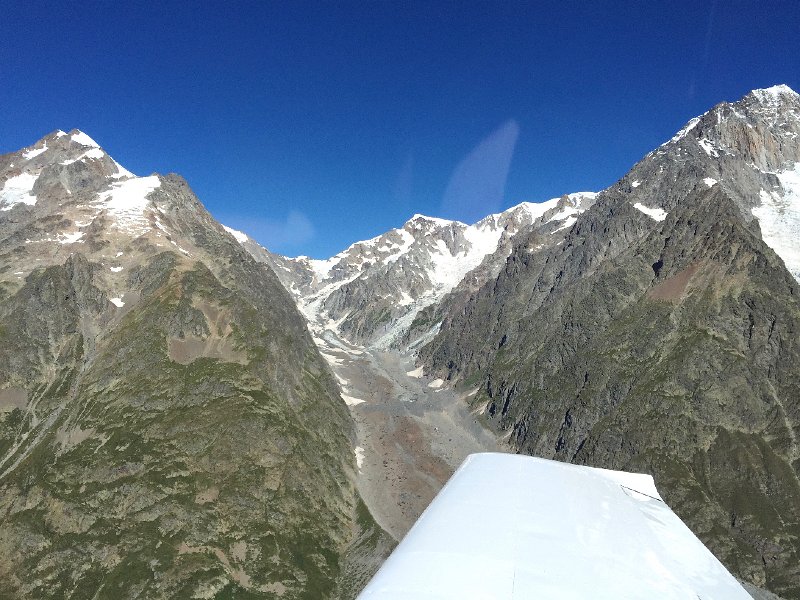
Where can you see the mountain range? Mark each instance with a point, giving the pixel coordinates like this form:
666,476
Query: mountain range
174,420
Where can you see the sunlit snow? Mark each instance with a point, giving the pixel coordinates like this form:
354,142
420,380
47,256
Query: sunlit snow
418,372
772,95
359,452
18,190
94,154
84,140
33,153
126,202
779,218
122,171
709,181
240,237
117,302
686,129
658,214
351,401
708,147
70,238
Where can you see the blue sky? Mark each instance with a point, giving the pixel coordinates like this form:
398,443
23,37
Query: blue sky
313,125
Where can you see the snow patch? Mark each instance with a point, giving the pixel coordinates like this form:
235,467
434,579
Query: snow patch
127,201
418,372
94,154
70,238
636,184
329,358
116,269
708,147
34,152
240,237
359,452
121,171
117,302
709,181
18,190
568,222
779,218
436,384
418,219
405,299
657,214
351,401
84,140
686,129
536,209
564,213
772,95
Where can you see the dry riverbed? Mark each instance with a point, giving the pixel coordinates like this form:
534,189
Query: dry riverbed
412,432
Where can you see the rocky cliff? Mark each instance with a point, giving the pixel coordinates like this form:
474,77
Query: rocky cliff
661,334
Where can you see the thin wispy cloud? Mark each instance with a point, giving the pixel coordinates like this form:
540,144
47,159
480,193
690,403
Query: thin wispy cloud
477,185
284,236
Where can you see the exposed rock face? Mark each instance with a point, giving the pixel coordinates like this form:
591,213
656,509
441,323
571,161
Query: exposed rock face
661,335
167,427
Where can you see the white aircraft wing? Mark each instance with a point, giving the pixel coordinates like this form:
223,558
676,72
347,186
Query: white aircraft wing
512,527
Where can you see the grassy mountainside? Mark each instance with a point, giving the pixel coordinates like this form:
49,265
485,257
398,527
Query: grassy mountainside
167,426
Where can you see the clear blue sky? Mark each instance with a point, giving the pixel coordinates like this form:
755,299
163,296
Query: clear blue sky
313,125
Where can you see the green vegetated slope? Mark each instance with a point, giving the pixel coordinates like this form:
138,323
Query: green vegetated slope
671,350
189,444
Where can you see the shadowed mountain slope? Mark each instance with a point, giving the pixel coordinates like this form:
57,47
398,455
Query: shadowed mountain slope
661,335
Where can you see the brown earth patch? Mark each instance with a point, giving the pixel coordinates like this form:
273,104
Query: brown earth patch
672,288
206,496
190,348
218,345
13,397
69,438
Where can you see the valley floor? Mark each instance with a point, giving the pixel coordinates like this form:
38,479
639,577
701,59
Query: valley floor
412,432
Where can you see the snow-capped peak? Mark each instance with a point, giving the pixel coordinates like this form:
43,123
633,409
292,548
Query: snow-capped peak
66,152
81,138
418,218
774,94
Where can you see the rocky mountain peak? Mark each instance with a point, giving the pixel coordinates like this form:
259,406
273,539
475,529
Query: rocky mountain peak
419,220
775,96
133,326
59,167
749,148
65,195
66,149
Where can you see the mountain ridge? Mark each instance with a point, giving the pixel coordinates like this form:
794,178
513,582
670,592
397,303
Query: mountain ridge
167,425
677,276
688,316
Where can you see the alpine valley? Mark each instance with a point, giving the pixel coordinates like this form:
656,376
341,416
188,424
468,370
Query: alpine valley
185,414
